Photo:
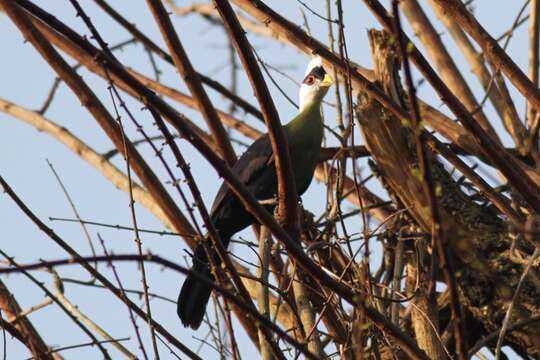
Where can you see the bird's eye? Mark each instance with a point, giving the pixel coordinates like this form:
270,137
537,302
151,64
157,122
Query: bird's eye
309,80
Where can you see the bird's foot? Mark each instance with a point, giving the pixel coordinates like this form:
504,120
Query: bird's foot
272,201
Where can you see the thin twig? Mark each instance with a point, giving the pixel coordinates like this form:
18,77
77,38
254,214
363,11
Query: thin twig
507,317
124,298
118,227
60,305
73,208
76,311
91,343
31,309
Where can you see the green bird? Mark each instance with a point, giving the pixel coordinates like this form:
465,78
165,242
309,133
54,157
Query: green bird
257,171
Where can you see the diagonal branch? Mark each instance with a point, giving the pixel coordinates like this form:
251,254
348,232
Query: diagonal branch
105,167
492,50
500,98
184,66
446,66
29,335
151,45
105,120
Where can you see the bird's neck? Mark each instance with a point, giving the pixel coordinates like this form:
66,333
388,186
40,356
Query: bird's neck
304,134
308,119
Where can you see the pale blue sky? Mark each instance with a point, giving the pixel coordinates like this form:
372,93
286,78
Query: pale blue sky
25,79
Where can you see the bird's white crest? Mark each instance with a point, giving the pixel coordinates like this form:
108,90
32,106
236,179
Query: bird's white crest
309,94
315,61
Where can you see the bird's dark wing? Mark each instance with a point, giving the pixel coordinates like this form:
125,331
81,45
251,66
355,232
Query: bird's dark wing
255,169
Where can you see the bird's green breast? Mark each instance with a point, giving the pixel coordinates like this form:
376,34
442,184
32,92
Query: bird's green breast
304,134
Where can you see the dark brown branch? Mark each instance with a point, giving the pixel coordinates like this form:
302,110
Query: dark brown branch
12,330
96,108
439,240
190,76
152,46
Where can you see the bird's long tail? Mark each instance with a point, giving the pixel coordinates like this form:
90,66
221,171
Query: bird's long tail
194,296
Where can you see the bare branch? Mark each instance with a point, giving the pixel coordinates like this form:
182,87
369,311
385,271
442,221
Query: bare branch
499,97
492,49
444,62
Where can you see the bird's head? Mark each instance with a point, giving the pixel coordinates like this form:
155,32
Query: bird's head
315,85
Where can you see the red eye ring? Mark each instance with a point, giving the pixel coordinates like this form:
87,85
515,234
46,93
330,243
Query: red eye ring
309,80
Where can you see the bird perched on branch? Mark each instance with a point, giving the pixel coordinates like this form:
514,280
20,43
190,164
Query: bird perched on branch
256,170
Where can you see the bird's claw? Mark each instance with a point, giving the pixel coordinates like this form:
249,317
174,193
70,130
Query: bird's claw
272,201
